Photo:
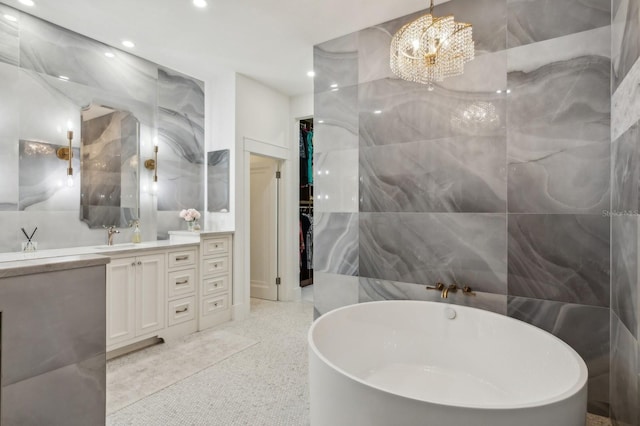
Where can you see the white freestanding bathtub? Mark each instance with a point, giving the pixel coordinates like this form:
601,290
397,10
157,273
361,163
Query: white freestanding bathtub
425,363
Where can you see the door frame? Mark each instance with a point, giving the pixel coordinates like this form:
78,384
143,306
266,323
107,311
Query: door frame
286,253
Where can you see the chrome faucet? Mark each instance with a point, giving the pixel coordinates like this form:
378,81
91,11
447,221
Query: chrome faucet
111,231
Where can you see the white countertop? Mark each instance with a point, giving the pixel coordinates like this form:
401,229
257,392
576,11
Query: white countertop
104,250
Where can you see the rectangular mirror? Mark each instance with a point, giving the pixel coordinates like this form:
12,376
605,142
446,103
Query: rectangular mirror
109,192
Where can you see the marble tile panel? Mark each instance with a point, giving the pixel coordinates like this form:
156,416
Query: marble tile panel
559,127
51,323
335,243
625,30
8,238
55,51
396,111
488,34
529,21
625,103
179,92
624,368
336,120
181,159
332,291
376,290
560,257
424,248
9,36
71,395
336,181
335,62
584,328
218,180
624,270
42,178
625,172
9,134
456,174
59,229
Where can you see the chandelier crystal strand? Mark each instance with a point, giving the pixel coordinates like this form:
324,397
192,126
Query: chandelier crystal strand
431,48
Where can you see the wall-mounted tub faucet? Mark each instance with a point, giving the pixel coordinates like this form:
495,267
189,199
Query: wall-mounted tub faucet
451,288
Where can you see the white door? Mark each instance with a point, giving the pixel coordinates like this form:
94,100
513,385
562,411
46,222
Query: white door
150,293
263,228
121,285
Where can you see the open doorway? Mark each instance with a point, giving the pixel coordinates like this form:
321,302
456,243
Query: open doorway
264,242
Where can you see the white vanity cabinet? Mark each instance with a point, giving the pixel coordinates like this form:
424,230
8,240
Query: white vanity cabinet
215,300
182,289
136,298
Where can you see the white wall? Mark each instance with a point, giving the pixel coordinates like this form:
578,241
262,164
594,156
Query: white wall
262,124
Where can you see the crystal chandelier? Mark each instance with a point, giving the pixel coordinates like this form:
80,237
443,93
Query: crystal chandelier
431,48
476,118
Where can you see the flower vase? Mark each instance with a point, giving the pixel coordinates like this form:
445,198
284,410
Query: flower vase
190,225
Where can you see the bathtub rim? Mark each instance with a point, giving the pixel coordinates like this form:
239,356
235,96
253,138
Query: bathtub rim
574,389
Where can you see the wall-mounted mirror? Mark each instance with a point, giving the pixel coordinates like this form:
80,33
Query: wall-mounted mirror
109,192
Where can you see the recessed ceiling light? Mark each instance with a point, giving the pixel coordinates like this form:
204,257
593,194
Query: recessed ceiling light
109,55
129,44
334,85
27,2
498,91
10,18
311,74
378,111
63,77
200,3
320,121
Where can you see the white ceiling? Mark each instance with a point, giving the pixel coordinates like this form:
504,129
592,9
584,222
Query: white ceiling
268,40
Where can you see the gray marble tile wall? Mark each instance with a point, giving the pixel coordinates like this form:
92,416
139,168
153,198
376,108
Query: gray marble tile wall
218,180
516,206
47,76
625,175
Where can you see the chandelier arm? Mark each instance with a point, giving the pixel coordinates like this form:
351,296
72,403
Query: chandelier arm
451,35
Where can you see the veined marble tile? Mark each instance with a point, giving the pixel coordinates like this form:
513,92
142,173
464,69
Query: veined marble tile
8,238
530,21
335,243
584,328
59,229
335,124
335,63
625,30
396,111
560,257
624,270
559,127
488,34
55,51
376,290
181,159
625,103
336,181
624,368
424,248
332,291
179,92
43,176
457,174
9,135
625,172
218,180
9,36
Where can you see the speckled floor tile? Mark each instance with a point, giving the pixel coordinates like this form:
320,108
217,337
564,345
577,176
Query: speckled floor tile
593,420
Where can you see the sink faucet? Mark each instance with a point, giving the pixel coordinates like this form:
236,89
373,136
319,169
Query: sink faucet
111,231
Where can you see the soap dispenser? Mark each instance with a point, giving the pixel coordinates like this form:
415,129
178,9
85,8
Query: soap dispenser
136,237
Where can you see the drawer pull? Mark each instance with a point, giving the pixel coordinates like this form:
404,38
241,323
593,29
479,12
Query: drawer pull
133,263
182,282
139,262
185,257
215,285
215,265
215,304
216,246
179,311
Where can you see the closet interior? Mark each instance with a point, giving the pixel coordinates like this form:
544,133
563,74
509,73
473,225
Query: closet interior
306,202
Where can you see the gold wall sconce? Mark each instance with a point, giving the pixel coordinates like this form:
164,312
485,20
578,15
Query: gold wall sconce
152,164
66,153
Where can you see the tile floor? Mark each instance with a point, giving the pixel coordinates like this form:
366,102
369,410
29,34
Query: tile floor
265,384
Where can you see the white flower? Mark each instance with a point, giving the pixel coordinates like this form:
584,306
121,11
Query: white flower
189,215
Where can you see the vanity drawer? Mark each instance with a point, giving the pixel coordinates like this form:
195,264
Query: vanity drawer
214,246
215,304
182,258
215,285
215,265
182,310
182,282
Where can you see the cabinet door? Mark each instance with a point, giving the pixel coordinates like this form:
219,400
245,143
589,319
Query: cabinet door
150,293
121,284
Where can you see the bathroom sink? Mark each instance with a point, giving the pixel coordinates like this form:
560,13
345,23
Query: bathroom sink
116,246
